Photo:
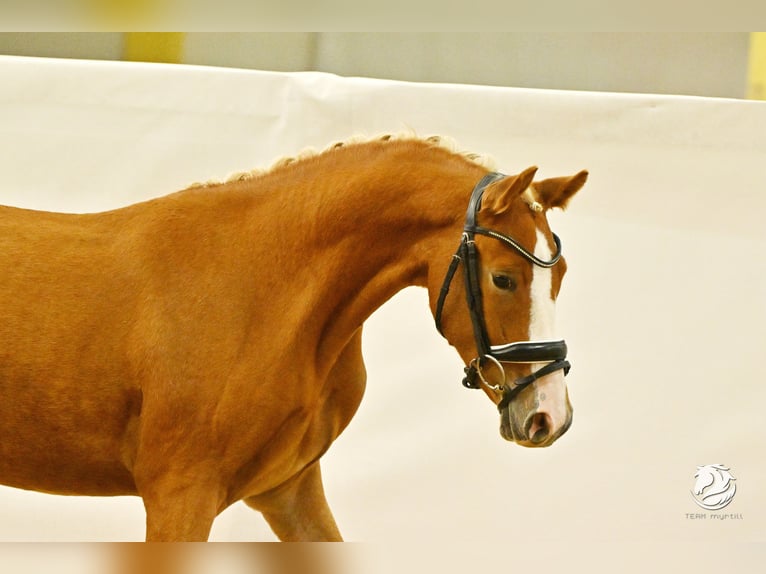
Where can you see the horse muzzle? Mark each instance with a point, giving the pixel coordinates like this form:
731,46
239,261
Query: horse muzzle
539,416
531,415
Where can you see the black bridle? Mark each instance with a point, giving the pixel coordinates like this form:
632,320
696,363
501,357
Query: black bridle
553,353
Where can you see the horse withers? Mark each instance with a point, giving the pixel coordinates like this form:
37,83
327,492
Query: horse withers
205,347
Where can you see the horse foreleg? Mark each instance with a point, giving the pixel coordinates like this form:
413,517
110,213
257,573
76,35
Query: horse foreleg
177,511
298,510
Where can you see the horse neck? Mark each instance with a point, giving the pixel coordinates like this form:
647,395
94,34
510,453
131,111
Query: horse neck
358,225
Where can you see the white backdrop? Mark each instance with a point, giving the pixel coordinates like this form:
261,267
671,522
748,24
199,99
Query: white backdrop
663,306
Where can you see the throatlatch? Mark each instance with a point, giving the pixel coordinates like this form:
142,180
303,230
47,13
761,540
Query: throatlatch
551,352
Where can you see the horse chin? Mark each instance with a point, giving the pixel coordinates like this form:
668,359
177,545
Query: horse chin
511,432
506,431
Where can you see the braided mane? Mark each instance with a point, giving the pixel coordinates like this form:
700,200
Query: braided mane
436,141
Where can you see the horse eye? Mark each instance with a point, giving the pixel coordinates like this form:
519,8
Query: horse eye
504,282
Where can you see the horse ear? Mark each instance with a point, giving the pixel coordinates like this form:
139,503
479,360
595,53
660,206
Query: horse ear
499,196
557,191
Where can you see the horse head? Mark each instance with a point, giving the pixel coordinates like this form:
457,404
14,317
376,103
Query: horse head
512,271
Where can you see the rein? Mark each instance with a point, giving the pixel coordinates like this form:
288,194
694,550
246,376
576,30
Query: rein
551,352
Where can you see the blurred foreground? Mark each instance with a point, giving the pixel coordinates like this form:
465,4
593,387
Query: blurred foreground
138,558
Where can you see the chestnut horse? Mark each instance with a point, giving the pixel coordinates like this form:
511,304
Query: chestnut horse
205,347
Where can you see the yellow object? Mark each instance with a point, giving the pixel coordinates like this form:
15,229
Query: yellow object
756,69
154,47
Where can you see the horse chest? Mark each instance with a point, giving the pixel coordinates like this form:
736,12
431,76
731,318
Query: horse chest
298,435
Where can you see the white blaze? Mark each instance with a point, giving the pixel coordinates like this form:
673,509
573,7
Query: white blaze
551,389
543,308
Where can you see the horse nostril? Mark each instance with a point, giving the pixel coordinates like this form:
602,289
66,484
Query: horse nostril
538,427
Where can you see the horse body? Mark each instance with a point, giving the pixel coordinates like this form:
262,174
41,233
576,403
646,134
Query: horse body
205,347
66,399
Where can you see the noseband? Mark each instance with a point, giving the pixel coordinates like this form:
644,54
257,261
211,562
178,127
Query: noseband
551,352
